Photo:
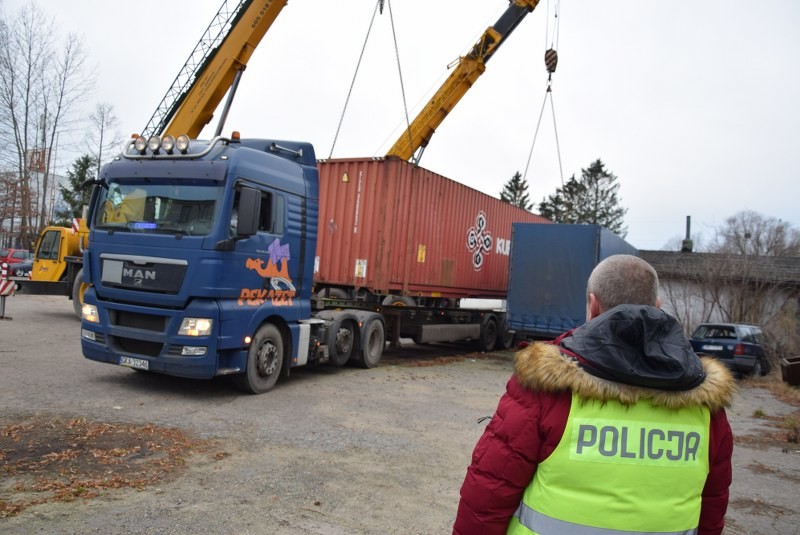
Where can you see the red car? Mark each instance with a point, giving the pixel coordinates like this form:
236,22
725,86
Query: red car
12,256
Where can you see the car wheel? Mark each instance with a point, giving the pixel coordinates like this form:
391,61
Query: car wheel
758,369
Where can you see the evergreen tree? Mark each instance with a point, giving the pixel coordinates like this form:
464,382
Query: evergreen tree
515,192
594,199
82,170
561,206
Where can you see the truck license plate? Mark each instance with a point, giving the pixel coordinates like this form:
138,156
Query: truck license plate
130,362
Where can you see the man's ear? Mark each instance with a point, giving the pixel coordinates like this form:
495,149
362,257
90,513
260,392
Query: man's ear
658,302
594,306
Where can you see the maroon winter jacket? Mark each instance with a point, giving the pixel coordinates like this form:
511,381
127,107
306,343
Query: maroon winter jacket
532,415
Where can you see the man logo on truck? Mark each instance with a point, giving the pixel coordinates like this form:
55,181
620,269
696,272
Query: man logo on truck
139,275
278,286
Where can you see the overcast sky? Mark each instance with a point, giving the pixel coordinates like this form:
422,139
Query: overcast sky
692,105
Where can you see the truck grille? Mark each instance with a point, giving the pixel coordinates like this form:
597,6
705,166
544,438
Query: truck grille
139,347
146,322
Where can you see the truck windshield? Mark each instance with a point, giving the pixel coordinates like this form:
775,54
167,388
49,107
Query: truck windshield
185,208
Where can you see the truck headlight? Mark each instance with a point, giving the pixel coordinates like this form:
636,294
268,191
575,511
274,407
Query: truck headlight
89,313
196,327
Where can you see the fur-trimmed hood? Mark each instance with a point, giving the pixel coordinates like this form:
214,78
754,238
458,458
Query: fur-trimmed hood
545,367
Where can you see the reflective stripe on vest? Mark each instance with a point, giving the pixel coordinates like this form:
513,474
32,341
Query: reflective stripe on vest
551,526
620,469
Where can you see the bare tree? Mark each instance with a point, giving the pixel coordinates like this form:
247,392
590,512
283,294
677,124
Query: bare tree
102,137
41,81
693,287
750,233
752,274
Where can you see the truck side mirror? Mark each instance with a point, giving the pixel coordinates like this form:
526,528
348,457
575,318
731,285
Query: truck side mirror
249,212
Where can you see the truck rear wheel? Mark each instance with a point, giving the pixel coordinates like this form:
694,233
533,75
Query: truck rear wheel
343,343
264,361
374,342
78,289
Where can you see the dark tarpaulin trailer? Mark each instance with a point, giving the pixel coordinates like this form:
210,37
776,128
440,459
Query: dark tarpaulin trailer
549,268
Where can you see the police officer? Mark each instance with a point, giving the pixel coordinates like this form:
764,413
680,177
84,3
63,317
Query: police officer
616,426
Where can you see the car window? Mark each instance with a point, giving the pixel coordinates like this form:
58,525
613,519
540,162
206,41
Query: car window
22,255
49,245
715,331
755,335
723,332
701,332
4,252
747,335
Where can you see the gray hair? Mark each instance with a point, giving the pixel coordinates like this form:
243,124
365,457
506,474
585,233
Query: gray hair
623,280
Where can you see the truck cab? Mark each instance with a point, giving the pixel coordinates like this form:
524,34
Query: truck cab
201,251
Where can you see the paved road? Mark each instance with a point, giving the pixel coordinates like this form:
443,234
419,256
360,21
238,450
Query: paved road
329,451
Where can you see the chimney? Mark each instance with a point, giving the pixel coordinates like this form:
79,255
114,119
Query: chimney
686,245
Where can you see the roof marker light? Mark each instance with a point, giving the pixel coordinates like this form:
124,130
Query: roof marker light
153,144
182,143
140,145
168,144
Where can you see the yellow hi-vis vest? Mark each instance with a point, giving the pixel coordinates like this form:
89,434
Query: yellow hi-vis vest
620,469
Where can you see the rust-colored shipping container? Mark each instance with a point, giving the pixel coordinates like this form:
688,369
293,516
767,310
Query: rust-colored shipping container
389,227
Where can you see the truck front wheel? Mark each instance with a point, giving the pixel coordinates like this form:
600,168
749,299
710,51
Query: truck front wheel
264,361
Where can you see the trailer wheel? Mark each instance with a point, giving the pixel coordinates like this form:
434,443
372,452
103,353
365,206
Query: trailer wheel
343,343
264,361
375,341
332,293
399,301
78,289
488,339
506,339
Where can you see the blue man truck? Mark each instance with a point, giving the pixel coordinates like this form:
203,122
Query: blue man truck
201,264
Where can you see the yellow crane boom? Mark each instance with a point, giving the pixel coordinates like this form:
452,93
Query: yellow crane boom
214,66
468,70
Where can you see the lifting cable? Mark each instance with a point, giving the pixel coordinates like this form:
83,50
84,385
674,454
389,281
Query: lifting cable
378,8
378,4
551,61
400,74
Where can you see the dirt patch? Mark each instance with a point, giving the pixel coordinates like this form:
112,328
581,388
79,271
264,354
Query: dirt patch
758,507
423,362
51,459
781,429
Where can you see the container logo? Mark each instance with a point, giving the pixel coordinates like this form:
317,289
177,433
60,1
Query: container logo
479,241
278,286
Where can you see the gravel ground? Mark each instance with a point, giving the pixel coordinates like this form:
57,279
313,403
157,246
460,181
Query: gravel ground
329,451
